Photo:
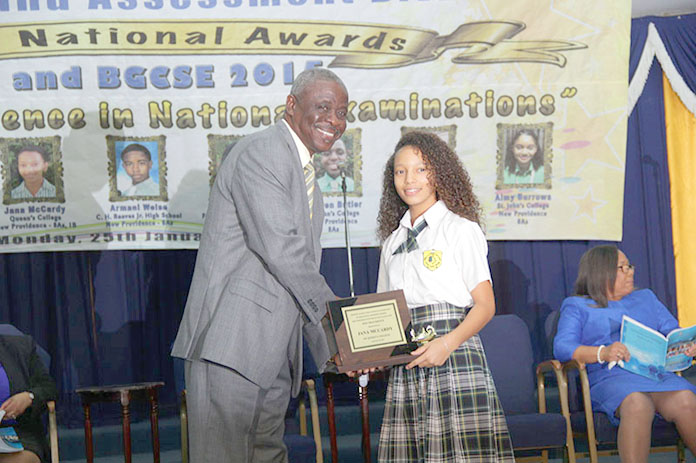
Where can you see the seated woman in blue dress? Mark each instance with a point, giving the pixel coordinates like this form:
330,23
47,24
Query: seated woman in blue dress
25,387
589,330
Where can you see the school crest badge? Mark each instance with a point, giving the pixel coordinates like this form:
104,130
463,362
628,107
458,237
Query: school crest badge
432,259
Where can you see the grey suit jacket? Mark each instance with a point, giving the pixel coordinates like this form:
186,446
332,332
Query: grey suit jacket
256,279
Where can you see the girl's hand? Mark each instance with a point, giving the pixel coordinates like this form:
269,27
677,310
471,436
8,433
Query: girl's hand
432,354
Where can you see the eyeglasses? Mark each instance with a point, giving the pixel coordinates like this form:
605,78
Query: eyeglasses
626,267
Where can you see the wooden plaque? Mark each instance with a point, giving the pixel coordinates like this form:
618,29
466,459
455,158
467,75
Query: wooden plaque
371,330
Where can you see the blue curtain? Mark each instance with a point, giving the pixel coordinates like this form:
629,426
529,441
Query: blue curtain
678,33
110,317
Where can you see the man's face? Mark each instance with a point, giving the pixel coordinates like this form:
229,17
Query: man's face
137,165
31,166
334,159
318,115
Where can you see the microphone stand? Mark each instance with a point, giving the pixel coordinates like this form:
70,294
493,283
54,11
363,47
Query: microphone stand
347,233
363,380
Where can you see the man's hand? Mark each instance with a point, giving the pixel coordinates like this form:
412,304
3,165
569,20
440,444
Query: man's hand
366,371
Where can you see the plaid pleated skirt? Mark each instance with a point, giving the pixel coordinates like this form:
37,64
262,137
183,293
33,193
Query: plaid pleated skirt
449,413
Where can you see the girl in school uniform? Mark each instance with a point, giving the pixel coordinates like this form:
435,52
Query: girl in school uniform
443,406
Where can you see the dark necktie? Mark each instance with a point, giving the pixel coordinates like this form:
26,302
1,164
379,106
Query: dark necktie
410,244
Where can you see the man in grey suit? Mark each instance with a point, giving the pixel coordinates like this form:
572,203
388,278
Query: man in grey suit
256,289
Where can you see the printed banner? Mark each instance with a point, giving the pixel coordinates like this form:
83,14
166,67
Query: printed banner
115,114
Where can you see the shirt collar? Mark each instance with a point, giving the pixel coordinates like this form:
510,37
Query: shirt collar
433,216
305,157
26,189
525,173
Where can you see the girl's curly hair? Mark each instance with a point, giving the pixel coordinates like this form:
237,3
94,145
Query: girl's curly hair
445,172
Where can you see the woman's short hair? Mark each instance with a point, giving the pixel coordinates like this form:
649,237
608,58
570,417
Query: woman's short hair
597,273
34,148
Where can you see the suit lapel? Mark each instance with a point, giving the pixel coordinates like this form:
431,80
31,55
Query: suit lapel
298,169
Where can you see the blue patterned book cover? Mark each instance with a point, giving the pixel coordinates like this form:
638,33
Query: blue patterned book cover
9,441
652,353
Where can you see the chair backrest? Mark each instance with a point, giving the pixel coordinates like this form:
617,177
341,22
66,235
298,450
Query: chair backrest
11,330
574,387
508,347
550,327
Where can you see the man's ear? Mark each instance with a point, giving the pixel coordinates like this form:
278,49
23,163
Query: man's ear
290,102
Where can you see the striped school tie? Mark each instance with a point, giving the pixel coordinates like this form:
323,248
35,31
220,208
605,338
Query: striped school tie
309,183
410,244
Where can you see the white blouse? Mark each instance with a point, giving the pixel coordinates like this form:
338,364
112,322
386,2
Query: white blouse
449,263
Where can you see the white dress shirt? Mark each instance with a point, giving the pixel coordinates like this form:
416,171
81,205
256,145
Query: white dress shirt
147,187
302,150
47,190
449,263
